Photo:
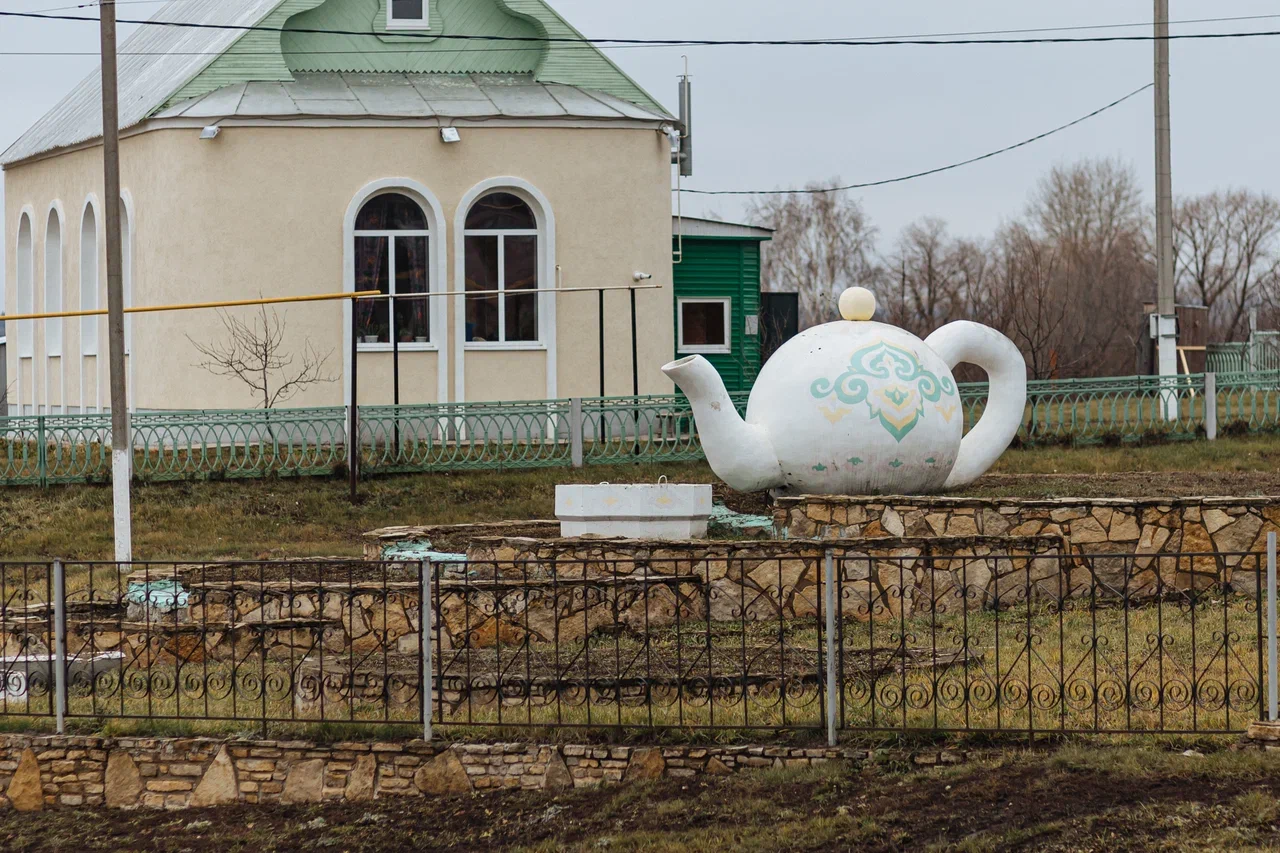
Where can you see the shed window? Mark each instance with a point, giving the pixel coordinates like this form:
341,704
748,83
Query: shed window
392,254
408,15
502,269
704,326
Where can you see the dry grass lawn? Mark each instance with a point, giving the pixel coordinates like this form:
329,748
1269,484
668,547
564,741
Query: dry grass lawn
311,517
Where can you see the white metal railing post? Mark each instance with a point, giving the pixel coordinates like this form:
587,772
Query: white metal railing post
1211,406
59,644
426,616
1273,697
575,432
829,601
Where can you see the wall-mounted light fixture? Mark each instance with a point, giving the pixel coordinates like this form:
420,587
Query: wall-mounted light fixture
210,132
450,134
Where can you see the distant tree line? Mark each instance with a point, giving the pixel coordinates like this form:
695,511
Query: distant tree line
1066,280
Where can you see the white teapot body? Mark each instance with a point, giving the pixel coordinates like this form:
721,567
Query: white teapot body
860,408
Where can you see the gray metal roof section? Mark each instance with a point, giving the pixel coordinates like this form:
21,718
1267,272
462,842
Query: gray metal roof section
154,63
692,226
357,95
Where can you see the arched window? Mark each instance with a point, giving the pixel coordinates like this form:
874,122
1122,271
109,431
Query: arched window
25,330
392,255
53,284
89,280
501,241
126,271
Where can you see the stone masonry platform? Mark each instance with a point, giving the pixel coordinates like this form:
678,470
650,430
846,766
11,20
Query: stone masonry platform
48,771
1153,532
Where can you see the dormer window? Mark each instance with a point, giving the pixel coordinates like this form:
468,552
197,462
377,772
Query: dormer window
408,15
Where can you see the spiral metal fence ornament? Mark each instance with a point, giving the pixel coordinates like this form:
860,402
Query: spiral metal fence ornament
984,643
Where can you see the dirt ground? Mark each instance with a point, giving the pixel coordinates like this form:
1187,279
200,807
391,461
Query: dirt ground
1076,798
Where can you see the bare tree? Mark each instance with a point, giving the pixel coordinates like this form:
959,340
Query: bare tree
1228,256
1091,214
932,279
1028,288
823,243
253,352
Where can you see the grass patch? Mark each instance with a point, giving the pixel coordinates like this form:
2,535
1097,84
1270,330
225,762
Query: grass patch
310,517
1136,763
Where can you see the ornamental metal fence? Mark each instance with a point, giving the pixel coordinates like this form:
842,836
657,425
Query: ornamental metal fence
75,448
812,642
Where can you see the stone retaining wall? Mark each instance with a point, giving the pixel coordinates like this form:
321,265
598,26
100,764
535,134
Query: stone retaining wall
1150,530
39,772
760,580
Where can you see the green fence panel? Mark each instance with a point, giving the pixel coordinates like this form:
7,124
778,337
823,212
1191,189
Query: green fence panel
42,450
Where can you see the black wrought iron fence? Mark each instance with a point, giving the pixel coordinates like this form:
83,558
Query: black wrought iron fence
810,641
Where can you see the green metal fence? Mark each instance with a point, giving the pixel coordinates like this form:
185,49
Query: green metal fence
43,450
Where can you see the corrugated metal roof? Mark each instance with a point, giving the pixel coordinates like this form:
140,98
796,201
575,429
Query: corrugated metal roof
692,226
160,64
154,63
408,96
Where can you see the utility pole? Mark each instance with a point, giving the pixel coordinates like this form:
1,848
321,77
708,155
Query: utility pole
1165,322
121,443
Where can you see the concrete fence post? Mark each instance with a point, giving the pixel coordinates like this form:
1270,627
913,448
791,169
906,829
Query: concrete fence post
829,602
576,432
59,661
426,616
1211,406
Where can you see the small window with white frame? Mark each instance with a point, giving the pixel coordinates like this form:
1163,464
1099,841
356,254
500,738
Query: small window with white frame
705,326
408,14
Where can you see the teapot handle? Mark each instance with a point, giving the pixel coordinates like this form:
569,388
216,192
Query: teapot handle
1006,402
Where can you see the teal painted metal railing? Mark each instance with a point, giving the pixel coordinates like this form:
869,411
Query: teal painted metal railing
43,450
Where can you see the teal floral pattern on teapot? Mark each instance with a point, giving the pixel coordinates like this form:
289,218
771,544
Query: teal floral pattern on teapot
893,384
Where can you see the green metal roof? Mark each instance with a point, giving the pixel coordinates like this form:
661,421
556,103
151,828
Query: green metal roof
264,56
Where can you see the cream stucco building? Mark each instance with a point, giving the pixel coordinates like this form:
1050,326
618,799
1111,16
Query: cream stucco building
334,167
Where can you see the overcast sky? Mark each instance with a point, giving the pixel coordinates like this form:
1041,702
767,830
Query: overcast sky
780,117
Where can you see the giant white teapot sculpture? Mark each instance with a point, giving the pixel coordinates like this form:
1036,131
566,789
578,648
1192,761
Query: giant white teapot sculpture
860,408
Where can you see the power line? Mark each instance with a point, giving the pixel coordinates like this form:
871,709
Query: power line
588,45
613,42
912,177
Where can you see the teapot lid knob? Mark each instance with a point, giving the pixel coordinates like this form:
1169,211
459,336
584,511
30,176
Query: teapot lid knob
857,304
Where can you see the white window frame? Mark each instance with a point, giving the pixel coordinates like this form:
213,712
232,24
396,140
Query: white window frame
389,346
502,234
727,347
423,23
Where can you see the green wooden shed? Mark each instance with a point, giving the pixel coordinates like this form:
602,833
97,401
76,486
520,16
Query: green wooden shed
717,295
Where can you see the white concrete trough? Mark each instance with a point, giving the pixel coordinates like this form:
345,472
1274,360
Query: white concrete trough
31,676
662,511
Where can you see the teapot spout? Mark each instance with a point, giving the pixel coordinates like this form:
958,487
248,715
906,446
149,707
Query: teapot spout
740,453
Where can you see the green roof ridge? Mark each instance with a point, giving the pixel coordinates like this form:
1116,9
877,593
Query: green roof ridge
259,56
